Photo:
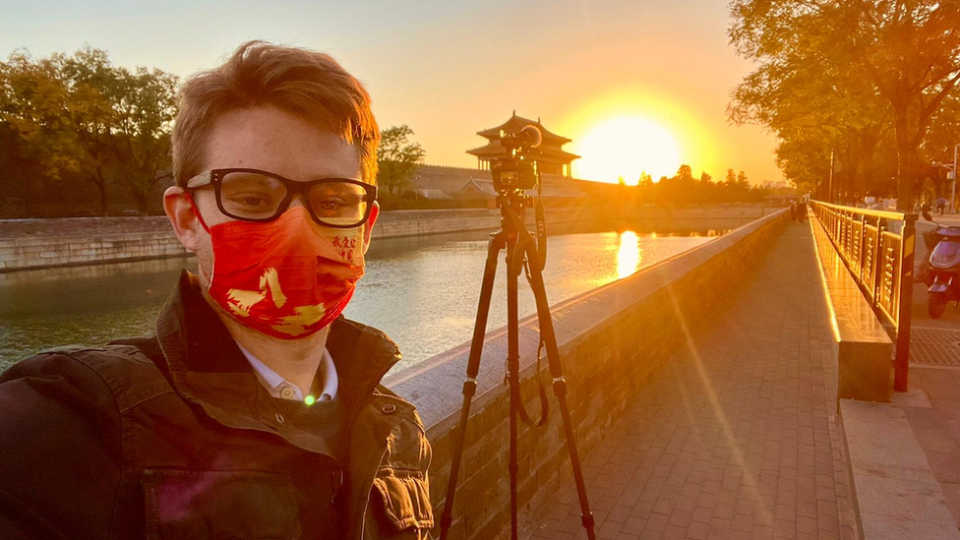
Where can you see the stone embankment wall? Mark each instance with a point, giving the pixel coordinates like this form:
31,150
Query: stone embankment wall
41,243
611,339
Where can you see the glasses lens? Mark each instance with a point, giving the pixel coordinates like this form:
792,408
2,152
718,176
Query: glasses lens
342,204
247,195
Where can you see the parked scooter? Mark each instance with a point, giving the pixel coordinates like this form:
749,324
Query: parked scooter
942,272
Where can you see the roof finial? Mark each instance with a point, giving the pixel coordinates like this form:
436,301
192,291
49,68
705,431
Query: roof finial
514,112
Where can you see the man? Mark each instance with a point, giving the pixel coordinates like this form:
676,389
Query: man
256,410
941,205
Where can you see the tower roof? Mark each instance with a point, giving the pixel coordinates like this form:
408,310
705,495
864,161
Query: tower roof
495,149
516,123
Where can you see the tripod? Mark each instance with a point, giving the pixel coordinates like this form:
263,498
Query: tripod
519,245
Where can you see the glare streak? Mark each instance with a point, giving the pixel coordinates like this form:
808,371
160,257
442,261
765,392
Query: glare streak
750,482
628,254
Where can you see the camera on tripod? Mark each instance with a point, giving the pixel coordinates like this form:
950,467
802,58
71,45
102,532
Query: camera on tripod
518,170
514,175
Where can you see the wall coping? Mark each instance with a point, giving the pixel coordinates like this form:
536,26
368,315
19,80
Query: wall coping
48,228
863,347
851,316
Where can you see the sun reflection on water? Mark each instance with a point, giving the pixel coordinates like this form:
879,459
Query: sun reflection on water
628,254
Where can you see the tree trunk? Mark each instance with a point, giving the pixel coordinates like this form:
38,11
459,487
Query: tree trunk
908,163
27,199
868,142
102,187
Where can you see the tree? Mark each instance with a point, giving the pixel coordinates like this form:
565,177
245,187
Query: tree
135,133
397,159
77,116
908,51
944,130
810,104
731,178
39,108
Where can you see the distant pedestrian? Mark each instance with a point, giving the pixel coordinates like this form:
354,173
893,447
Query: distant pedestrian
793,212
941,205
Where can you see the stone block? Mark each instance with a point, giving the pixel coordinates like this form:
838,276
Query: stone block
897,494
863,347
863,370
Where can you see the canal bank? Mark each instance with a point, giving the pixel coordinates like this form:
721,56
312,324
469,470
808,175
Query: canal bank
432,280
27,244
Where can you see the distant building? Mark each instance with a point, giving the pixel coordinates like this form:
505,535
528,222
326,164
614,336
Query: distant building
473,187
784,199
552,159
776,185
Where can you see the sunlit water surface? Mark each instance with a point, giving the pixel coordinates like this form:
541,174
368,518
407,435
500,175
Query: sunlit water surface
421,291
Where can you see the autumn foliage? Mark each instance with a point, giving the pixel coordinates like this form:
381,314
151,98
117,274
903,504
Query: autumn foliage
80,136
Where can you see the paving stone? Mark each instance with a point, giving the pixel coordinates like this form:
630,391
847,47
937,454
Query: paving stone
735,436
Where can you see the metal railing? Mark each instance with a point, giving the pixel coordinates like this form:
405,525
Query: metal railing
878,249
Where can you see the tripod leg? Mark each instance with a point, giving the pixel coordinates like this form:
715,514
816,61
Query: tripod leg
514,267
473,367
549,338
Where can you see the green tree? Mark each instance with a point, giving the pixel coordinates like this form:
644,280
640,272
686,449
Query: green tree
909,51
397,158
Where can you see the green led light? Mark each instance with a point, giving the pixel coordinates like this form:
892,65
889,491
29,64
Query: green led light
310,400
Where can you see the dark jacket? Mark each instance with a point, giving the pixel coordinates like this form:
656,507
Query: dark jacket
173,436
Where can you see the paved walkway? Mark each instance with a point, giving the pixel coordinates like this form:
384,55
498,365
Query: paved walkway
933,404
736,437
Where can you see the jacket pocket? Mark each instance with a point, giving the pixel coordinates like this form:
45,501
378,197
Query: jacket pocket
219,505
405,498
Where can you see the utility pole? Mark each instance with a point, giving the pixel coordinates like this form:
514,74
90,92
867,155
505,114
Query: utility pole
953,186
830,193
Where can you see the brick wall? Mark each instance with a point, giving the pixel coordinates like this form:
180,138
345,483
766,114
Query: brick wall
611,340
40,252
36,243
40,243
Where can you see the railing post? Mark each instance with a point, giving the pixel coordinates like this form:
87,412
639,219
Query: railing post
877,277
905,304
863,235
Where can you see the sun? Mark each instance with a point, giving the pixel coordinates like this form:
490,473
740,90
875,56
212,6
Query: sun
626,147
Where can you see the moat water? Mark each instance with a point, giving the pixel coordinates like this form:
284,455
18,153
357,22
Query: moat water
421,291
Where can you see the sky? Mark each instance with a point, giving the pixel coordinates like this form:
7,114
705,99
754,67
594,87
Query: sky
638,85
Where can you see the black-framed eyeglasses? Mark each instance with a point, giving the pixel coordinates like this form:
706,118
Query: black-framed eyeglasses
255,195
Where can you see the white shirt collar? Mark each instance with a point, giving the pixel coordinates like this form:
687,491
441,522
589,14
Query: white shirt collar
284,389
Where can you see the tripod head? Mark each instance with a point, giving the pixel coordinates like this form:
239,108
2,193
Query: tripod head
518,171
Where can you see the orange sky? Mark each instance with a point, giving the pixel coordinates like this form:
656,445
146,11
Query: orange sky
450,69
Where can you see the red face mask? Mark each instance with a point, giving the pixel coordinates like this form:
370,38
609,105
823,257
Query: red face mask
286,278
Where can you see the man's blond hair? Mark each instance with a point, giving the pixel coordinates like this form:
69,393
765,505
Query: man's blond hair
309,84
